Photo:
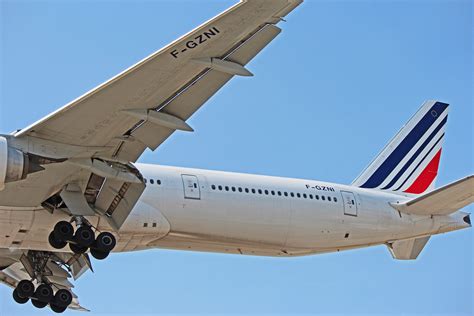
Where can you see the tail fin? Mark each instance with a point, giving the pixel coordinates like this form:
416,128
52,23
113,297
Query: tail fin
409,163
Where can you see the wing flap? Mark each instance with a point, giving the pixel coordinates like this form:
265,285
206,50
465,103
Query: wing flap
196,92
442,201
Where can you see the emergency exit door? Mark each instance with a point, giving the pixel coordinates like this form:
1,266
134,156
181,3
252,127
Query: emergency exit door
350,204
191,187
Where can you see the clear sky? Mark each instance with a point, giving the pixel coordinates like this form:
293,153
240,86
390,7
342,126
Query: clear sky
327,95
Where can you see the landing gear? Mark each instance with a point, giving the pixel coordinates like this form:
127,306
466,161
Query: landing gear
44,293
18,298
25,288
84,236
82,240
41,288
57,309
42,296
39,304
62,298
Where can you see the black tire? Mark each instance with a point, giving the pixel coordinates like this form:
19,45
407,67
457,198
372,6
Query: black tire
105,242
63,231
57,309
84,236
55,243
25,289
62,298
38,304
77,249
44,293
18,299
98,254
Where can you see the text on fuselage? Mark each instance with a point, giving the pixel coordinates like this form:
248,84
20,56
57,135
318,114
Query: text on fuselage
320,188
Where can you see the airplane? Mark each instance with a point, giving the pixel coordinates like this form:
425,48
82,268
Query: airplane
70,187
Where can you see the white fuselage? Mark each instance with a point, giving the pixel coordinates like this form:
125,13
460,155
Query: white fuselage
204,210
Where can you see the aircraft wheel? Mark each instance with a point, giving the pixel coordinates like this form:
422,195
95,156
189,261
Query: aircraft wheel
38,304
56,243
25,289
84,236
105,242
57,309
62,298
98,254
44,293
77,249
63,231
18,299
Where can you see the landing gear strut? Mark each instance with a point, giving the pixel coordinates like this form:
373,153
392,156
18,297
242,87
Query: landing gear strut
82,240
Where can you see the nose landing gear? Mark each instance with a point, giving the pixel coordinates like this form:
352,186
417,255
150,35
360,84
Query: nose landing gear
82,240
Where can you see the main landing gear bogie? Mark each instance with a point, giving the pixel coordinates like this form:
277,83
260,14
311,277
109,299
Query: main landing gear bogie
42,296
81,240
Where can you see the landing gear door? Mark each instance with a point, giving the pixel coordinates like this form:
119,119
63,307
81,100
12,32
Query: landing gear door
350,204
191,187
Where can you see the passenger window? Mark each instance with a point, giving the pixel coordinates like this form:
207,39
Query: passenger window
158,181
220,188
323,198
240,189
152,181
279,193
335,199
226,188
311,196
266,192
329,198
285,193
246,190
253,191
317,197
213,187
233,189
292,194
304,195
259,191
298,195
273,192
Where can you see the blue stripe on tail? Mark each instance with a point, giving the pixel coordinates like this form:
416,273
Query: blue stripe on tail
416,154
405,146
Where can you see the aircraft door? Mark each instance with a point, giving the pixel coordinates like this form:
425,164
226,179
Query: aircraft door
350,204
191,187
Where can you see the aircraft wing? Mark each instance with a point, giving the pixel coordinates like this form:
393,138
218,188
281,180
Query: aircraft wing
442,201
142,106
82,153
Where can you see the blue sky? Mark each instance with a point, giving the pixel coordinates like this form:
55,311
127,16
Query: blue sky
327,95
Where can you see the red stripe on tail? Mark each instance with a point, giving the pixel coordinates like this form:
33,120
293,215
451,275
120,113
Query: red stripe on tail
426,177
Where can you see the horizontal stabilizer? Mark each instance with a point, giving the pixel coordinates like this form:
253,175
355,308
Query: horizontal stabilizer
442,201
407,249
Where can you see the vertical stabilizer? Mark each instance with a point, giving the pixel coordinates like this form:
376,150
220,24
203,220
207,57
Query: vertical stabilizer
410,161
